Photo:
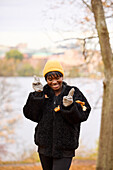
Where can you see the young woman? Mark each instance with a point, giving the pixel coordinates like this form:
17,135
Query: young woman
59,110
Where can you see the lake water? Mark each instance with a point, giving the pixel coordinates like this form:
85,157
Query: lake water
24,130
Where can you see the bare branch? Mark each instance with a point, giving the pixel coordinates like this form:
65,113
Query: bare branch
66,39
88,6
86,63
84,49
96,103
84,43
110,16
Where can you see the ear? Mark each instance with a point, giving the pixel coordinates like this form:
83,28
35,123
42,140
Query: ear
62,78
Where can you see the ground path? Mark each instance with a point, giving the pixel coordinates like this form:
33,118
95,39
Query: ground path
76,165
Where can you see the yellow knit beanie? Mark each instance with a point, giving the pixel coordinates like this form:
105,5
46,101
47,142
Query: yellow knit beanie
52,65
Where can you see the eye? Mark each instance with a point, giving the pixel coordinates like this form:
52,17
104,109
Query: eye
57,77
50,79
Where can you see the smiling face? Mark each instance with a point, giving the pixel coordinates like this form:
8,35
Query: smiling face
54,81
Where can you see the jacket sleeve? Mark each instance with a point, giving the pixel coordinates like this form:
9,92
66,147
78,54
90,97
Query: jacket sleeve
74,113
33,108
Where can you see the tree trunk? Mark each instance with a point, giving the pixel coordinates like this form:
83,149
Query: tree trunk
105,153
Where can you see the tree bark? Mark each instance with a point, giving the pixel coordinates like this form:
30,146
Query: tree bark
105,153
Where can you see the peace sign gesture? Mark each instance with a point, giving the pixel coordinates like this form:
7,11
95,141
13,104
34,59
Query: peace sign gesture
37,85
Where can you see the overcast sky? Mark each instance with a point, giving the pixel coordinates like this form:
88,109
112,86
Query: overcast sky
31,21
33,15
21,15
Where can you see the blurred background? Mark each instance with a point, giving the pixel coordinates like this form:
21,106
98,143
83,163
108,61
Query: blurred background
31,32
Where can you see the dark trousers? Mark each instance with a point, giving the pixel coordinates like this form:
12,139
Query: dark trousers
49,163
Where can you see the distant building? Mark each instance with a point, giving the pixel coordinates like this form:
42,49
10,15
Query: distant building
22,46
40,55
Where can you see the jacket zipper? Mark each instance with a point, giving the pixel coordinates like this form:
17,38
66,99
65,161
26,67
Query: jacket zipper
55,106
53,121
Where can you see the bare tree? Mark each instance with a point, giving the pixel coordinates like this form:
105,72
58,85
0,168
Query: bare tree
105,154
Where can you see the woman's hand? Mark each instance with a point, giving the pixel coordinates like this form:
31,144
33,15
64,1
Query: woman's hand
37,85
68,100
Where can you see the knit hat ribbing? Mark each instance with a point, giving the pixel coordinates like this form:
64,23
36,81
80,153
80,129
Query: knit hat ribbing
52,65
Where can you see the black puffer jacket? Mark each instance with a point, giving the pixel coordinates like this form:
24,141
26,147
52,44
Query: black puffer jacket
56,131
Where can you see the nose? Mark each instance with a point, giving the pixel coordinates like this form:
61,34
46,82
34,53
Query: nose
54,81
